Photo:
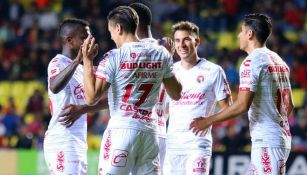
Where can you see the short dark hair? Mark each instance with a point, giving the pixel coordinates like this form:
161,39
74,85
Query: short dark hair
69,27
144,13
186,25
260,24
126,17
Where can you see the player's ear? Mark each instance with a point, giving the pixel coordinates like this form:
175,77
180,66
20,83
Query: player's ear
69,41
197,41
251,33
119,28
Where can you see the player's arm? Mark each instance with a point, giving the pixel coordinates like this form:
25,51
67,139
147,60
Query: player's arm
71,112
58,82
225,103
173,87
241,106
291,105
93,87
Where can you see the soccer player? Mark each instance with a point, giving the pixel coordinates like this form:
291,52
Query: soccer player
203,85
132,74
265,92
159,111
65,145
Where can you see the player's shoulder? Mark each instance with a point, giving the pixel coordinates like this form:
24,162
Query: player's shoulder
260,55
209,65
111,53
59,59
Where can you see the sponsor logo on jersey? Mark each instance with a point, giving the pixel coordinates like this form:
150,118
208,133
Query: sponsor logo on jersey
187,95
266,161
119,158
60,161
145,75
246,73
199,165
139,114
277,69
200,79
141,65
247,63
107,146
79,91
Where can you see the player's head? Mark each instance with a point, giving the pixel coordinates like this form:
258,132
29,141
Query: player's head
186,37
73,32
143,12
255,27
122,20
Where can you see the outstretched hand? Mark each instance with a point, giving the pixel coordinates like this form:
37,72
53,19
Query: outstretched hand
89,48
168,43
200,126
70,114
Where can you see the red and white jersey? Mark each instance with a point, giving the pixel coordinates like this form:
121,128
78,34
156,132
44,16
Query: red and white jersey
159,109
74,137
135,72
267,75
202,86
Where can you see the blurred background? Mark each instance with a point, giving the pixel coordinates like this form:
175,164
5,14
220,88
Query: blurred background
28,41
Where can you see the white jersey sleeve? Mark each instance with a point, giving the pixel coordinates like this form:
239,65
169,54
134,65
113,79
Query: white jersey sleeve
106,67
56,65
221,86
168,65
249,75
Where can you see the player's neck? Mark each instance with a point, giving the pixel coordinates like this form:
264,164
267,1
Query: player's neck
144,32
68,53
127,39
252,46
188,63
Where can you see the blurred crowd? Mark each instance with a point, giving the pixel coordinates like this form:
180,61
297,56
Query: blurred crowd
28,41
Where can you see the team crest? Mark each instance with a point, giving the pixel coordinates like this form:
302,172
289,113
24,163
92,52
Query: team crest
200,78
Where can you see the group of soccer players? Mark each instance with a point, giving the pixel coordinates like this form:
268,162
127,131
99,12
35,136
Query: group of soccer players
143,88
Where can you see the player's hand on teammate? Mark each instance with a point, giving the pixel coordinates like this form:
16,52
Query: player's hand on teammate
70,114
168,43
89,48
200,126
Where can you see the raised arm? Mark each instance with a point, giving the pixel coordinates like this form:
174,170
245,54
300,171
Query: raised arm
58,82
93,87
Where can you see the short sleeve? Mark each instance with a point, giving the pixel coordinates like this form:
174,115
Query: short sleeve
221,86
249,75
168,66
55,66
106,67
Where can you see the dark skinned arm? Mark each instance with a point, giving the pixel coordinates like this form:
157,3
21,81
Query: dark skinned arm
58,82
71,112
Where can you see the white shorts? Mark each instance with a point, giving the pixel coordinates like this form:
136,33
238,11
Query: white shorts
186,164
268,161
128,150
65,162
